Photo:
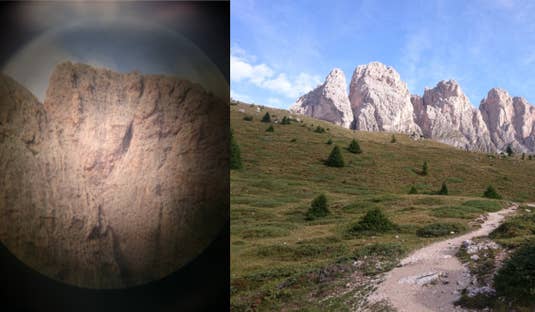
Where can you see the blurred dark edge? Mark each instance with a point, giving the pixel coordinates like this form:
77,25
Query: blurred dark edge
202,285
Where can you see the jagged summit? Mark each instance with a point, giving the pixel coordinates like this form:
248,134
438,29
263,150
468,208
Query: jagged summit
380,101
328,101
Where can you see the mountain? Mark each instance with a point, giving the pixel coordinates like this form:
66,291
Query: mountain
381,101
328,101
510,120
445,114
106,184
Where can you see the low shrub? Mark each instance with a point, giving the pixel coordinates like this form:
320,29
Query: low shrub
439,229
516,279
248,118
319,129
413,190
270,129
490,192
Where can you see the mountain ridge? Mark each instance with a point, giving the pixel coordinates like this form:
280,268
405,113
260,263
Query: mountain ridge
381,101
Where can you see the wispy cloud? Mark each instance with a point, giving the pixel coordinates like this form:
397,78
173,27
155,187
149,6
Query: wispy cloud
261,75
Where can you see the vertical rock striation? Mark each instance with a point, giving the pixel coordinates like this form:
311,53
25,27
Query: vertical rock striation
111,181
445,114
380,100
328,101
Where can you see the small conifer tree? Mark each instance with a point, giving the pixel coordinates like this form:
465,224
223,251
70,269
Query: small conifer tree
354,147
373,222
393,140
318,208
266,118
425,168
285,121
523,156
530,157
330,141
335,158
413,190
270,128
235,155
509,150
443,190
490,192
319,129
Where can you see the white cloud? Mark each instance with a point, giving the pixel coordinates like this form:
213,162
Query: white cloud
263,76
240,70
274,101
240,97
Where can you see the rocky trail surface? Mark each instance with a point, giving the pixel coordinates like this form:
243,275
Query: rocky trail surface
431,278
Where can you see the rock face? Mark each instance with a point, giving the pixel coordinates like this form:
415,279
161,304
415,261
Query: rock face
445,114
328,101
110,183
380,100
510,120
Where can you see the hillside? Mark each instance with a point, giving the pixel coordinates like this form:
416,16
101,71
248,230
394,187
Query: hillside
281,261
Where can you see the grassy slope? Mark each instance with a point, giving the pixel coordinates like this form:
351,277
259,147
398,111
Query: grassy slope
274,249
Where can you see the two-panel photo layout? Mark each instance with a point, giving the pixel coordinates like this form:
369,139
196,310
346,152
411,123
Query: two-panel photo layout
254,155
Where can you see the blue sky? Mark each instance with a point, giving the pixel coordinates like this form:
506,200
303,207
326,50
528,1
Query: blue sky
282,49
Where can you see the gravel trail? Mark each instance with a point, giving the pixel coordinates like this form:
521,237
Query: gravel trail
430,279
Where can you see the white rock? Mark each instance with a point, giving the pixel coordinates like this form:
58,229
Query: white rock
510,120
445,114
380,100
328,101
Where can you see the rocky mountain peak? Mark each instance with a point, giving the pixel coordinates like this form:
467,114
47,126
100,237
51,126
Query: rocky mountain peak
328,101
448,88
380,100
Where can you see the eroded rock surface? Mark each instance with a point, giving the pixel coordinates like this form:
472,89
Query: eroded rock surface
380,100
328,101
510,120
445,114
116,179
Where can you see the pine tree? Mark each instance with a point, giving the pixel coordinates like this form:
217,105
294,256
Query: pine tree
509,150
443,189
413,190
270,129
523,156
424,168
354,147
330,141
393,140
235,155
318,208
266,118
335,158
490,192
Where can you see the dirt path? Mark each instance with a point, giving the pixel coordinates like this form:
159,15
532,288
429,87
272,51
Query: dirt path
430,278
